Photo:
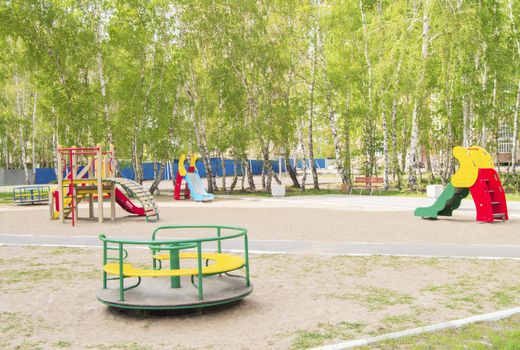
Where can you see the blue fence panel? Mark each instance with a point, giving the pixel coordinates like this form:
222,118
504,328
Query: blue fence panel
320,163
128,173
47,175
44,176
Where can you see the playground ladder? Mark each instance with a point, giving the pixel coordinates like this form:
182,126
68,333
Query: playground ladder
489,197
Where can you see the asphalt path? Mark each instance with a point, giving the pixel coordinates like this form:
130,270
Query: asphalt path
305,247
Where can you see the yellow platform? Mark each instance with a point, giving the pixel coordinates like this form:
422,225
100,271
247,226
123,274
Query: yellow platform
222,263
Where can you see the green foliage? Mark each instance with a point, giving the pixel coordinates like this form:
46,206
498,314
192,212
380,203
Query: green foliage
159,78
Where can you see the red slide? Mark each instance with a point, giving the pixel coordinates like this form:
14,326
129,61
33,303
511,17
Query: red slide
127,204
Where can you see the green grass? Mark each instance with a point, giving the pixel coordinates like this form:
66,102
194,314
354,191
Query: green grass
504,335
375,299
6,197
62,344
292,192
122,346
514,197
325,332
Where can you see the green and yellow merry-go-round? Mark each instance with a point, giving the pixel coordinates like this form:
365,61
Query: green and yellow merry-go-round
180,273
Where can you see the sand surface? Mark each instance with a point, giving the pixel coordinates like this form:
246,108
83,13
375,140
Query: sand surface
48,299
271,220
48,294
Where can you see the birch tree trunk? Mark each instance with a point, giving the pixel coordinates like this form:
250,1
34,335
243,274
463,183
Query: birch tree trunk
21,111
102,83
386,183
158,178
249,173
304,160
311,118
396,173
200,136
223,166
465,122
33,136
368,128
346,163
412,153
515,130
268,168
137,159
23,155
199,128
412,157
290,169
335,139
235,176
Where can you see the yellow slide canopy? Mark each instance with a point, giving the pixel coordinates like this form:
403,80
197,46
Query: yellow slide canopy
471,160
182,169
193,160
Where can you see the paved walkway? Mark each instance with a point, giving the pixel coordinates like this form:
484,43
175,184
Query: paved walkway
376,203
307,247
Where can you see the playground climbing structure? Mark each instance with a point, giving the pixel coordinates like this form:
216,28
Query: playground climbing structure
194,188
476,175
89,173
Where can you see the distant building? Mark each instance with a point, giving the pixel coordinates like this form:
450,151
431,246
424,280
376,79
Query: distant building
505,144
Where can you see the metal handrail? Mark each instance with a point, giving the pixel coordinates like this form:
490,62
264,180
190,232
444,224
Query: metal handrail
242,232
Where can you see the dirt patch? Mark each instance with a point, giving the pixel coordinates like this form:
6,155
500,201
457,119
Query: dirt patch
48,301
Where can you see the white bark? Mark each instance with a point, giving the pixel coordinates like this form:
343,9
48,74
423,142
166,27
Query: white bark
493,112
368,127
411,159
21,111
385,152
515,130
304,159
33,136
312,88
23,156
412,155
337,147
102,81
223,165
513,24
515,119
465,122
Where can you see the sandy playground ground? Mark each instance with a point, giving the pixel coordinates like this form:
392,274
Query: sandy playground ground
300,301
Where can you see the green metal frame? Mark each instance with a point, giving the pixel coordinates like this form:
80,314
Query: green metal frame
173,245
34,194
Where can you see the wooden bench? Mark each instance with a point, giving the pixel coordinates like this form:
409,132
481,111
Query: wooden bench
366,183
222,263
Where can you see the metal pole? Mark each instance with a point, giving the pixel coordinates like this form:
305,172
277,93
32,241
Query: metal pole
99,163
60,183
175,281
71,187
246,258
121,277
112,201
104,263
219,243
199,266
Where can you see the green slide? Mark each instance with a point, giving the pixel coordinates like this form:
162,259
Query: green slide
448,201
